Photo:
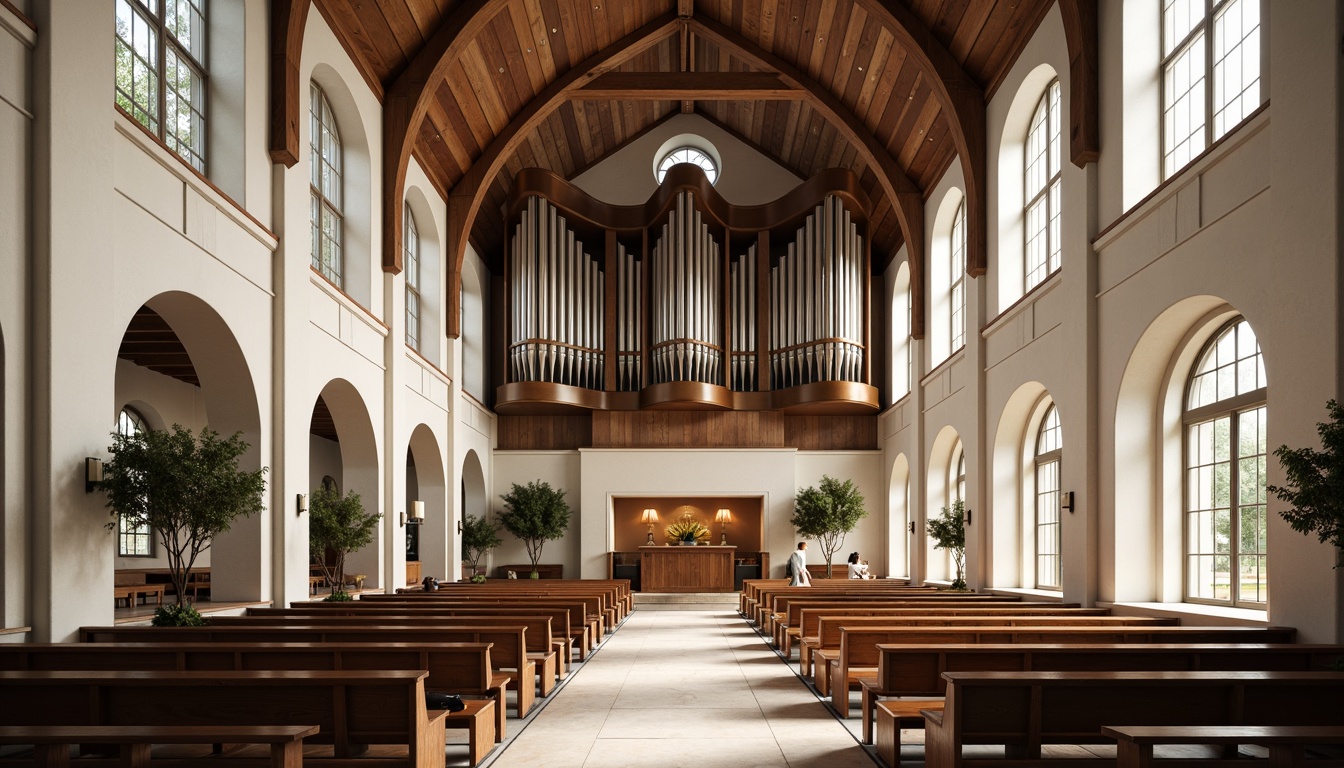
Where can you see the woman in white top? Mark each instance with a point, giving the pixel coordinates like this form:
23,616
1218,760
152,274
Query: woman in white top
857,569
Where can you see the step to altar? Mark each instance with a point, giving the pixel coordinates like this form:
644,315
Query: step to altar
686,601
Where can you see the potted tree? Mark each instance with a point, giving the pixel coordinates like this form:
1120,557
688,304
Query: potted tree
187,490
827,514
535,513
948,531
479,536
1315,484
337,525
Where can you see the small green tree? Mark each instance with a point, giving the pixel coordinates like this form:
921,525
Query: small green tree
339,525
535,513
827,514
1315,483
186,490
479,536
948,531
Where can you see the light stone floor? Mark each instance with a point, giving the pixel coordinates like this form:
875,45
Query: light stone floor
693,689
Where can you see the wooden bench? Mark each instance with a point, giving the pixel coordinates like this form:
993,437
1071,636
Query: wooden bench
1287,744
917,669
352,709
831,653
584,626
538,640
51,743
456,668
1027,710
479,720
544,571
767,608
600,613
508,650
786,619
132,594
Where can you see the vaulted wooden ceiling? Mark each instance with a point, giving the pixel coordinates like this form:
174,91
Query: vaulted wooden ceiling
479,89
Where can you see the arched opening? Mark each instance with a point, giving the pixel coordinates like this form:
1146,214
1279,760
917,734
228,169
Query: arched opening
431,275
343,446
1012,193
899,536
179,363
1012,487
475,502
1145,564
355,190
946,483
902,357
425,483
947,278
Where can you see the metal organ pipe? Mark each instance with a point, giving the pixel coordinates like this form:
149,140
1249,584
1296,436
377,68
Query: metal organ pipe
686,287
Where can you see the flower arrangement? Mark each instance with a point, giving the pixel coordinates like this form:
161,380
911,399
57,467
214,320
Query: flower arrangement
687,529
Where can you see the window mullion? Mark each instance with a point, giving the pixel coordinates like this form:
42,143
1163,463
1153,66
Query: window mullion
1234,509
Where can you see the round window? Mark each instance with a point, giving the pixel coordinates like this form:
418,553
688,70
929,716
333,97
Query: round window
688,155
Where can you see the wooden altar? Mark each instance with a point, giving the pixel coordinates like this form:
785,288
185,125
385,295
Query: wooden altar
686,569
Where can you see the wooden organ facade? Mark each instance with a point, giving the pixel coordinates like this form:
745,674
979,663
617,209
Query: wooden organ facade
686,301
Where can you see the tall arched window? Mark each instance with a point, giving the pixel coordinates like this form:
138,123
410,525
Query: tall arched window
1049,444
1225,548
411,263
325,182
160,71
957,484
957,286
132,540
1042,193
902,360
1210,80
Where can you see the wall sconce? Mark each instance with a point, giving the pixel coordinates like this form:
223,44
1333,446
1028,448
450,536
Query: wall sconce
1066,501
723,517
649,518
968,517
302,503
401,517
417,511
459,526
93,474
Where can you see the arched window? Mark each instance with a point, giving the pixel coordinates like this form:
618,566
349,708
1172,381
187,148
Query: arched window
411,263
957,286
1042,192
958,484
1225,548
325,182
902,358
1210,79
1049,443
692,155
133,540
160,73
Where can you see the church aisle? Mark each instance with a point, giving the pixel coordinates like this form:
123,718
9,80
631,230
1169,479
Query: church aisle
684,688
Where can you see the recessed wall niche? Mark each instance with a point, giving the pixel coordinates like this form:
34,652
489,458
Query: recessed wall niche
744,532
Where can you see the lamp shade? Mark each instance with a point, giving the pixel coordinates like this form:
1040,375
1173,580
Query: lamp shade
650,516
723,516
417,510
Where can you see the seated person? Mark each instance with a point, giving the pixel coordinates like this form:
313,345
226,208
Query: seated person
858,569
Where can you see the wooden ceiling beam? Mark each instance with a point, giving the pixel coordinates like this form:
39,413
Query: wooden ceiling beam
671,86
906,198
1080,36
288,18
963,102
406,103
464,202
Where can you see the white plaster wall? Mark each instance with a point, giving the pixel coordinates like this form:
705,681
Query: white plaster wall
869,537
746,177
562,470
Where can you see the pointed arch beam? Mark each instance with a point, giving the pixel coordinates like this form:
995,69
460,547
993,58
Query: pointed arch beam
1080,36
907,199
407,102
288,18
464,202
963,104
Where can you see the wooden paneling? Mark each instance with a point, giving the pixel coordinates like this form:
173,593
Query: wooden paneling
686,569
544,433
688,429
830,433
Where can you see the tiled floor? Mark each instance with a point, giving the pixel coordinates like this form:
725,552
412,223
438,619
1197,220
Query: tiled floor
684,688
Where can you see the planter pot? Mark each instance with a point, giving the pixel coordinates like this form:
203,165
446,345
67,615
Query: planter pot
687,543
534,575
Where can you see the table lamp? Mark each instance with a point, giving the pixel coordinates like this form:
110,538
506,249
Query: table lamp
724,517
650,517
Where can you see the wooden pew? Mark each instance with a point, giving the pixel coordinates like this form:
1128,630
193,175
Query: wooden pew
1026,710
1287,743
351,709
751,589
787,611
614,601
916,670
508,643
767,608
599,614
51,743
538,641
826,648
791,635
457,668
